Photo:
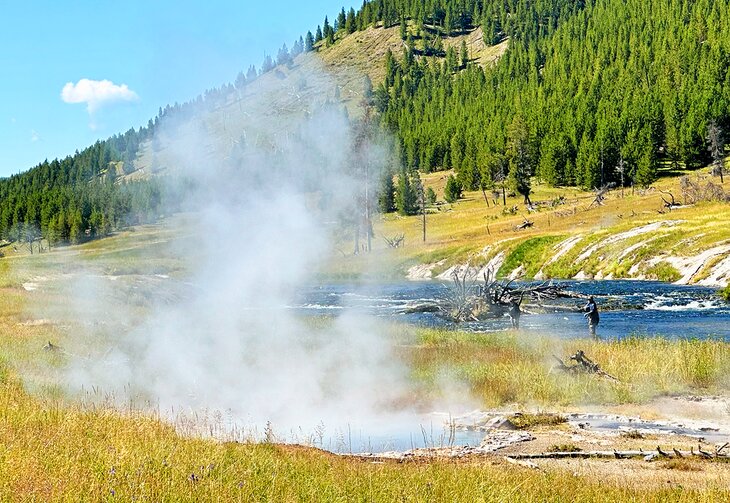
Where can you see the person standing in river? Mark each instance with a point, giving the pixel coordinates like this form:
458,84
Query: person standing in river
514,313
591,314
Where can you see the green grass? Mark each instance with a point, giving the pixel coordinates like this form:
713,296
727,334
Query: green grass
515,368
461,232
55,453
526,421
663,271
54,449
725,293
530,255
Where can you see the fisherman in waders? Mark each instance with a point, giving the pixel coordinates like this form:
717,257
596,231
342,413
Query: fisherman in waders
514,312
591,314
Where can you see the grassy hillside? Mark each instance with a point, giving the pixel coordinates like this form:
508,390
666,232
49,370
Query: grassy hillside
670,248
269,105
630,235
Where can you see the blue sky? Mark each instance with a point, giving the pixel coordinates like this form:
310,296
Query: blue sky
162,51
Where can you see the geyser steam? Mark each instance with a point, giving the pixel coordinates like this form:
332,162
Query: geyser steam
266,207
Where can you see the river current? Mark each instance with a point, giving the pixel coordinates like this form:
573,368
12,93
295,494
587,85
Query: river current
627,308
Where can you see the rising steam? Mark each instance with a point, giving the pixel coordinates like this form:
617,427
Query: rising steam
266,209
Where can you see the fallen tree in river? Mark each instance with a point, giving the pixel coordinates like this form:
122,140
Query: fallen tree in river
469,300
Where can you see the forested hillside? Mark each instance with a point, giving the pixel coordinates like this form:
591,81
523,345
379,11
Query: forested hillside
588,93
575,92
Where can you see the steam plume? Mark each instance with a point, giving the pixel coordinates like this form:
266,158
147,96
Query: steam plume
265,212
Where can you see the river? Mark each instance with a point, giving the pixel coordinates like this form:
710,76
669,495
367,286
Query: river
627,308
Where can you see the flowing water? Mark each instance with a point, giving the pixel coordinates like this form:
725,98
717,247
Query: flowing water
627,308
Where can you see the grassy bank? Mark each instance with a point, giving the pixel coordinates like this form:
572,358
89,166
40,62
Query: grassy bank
54,449
52,453
515,368
605,241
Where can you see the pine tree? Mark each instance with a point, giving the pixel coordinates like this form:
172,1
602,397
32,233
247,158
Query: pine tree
328,32
453,189
341,20
309,42
464,53
716,147
350,23
283,57
430,196
367,93
240,82
646,164
386,194
406,197
267,65
520,162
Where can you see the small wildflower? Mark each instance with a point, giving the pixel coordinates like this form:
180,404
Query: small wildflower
193,477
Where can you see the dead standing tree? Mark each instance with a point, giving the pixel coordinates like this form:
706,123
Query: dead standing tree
695,192
362,161
716,147
601,194
396,241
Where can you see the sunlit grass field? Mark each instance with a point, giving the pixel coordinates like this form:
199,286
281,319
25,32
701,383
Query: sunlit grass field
52,453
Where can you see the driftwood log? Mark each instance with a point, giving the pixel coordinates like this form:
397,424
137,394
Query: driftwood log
395,241
524,225
645,455
670,205
583,365
467,300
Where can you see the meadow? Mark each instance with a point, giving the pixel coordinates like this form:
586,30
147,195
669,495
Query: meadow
61,447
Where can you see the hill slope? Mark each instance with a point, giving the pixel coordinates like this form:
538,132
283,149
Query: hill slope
630,234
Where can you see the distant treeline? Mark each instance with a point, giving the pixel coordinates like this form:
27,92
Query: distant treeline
75,198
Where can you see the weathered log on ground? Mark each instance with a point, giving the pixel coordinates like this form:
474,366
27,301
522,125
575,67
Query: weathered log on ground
421,308
670,205
522,462
646,455
524,225
395,241
583,365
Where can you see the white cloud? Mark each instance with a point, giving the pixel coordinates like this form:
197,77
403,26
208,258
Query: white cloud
95,93
34,136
